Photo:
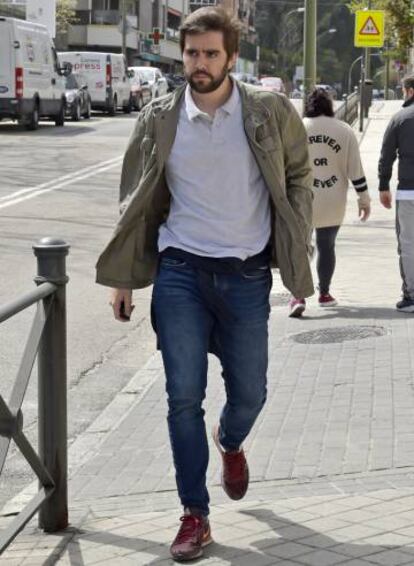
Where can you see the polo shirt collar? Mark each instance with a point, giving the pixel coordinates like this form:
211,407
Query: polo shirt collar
228,107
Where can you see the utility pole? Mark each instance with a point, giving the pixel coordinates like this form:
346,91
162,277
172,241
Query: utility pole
309,48
387,69
124,28
367,73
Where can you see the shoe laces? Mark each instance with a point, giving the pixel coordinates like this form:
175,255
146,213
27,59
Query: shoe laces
190,524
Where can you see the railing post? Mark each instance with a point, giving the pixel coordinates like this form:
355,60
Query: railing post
51,266
345,99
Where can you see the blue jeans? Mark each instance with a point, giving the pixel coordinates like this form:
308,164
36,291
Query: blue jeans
197,311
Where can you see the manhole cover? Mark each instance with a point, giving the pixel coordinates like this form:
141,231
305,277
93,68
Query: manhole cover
338,334
279,299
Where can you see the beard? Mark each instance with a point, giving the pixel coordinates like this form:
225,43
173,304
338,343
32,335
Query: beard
205,87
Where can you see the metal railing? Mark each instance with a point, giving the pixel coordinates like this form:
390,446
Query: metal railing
348,111
47,340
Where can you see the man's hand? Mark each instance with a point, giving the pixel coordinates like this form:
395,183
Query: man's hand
386,199
364,210
121,302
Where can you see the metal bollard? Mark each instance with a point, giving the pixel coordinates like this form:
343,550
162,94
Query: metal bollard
51,266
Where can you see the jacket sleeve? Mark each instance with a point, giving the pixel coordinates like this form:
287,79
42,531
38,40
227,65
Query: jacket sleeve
132,166
298,172
355,170
388,156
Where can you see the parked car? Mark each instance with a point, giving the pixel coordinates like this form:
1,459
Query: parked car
274,84
246,78
329,89
78,99
155,78
141,92
32,82
106,75
174,81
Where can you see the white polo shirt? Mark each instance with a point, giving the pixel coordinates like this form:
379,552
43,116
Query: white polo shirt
219,200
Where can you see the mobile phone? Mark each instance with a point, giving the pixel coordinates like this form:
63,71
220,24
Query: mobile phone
122,312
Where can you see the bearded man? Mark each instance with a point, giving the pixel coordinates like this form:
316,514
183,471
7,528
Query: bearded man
216,189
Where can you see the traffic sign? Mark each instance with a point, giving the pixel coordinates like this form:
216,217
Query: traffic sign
369,28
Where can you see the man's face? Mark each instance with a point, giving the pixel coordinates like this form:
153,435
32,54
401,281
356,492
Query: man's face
206,64
408,93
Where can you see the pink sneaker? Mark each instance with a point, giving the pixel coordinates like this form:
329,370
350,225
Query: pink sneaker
297,307
326,300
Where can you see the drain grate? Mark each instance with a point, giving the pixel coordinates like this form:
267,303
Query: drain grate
338,334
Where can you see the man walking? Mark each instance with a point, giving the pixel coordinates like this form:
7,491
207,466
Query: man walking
215,189
398,139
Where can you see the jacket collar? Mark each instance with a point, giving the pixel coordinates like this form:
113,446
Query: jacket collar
255,113
408,102
166,113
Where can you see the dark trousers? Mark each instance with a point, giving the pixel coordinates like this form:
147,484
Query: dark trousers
325,263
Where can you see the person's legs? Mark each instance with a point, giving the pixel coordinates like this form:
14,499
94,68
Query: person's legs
242,338
405,237
183,325
325,264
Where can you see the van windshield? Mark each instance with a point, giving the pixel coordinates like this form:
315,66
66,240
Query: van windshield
147,74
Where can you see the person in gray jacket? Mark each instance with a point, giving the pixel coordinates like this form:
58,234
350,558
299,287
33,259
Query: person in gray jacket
398,140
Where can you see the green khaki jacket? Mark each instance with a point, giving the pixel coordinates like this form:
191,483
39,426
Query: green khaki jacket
278,141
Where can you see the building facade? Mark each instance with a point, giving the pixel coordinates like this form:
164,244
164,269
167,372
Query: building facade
150,31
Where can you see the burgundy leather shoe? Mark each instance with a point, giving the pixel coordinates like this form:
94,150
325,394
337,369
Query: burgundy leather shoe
235,471
193,535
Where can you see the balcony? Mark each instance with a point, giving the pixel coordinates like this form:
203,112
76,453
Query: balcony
105,17
200,3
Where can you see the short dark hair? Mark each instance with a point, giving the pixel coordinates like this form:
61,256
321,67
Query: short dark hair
213,18
319,103
408,82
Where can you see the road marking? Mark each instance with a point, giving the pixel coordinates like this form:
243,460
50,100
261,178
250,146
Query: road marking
31,192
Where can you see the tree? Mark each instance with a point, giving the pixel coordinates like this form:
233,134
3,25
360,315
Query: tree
65,15
283,34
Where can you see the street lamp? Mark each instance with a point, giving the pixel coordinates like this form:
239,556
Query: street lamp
331,30
352,66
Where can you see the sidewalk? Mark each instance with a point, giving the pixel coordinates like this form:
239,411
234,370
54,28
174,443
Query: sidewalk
331,456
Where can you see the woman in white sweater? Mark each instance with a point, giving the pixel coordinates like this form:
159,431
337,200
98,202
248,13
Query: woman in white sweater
335,159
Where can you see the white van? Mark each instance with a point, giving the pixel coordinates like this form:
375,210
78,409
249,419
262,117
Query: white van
106,75
31,81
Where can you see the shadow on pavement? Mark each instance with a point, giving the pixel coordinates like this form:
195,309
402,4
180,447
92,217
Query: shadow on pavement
290,541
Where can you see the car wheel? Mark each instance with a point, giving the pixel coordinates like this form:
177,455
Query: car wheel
76,113
140,103
112,110
88,110
128,108
31,121
60,118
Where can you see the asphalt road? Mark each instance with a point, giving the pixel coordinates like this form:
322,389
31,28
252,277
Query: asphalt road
63,182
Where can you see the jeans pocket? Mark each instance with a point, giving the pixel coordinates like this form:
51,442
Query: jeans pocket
172,262
256,273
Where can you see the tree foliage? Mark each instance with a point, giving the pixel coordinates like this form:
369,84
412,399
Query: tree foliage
280,29
65,15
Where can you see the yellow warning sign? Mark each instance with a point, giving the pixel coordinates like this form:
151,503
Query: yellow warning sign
369,28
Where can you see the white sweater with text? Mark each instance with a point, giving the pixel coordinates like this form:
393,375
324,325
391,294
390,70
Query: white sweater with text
335,159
